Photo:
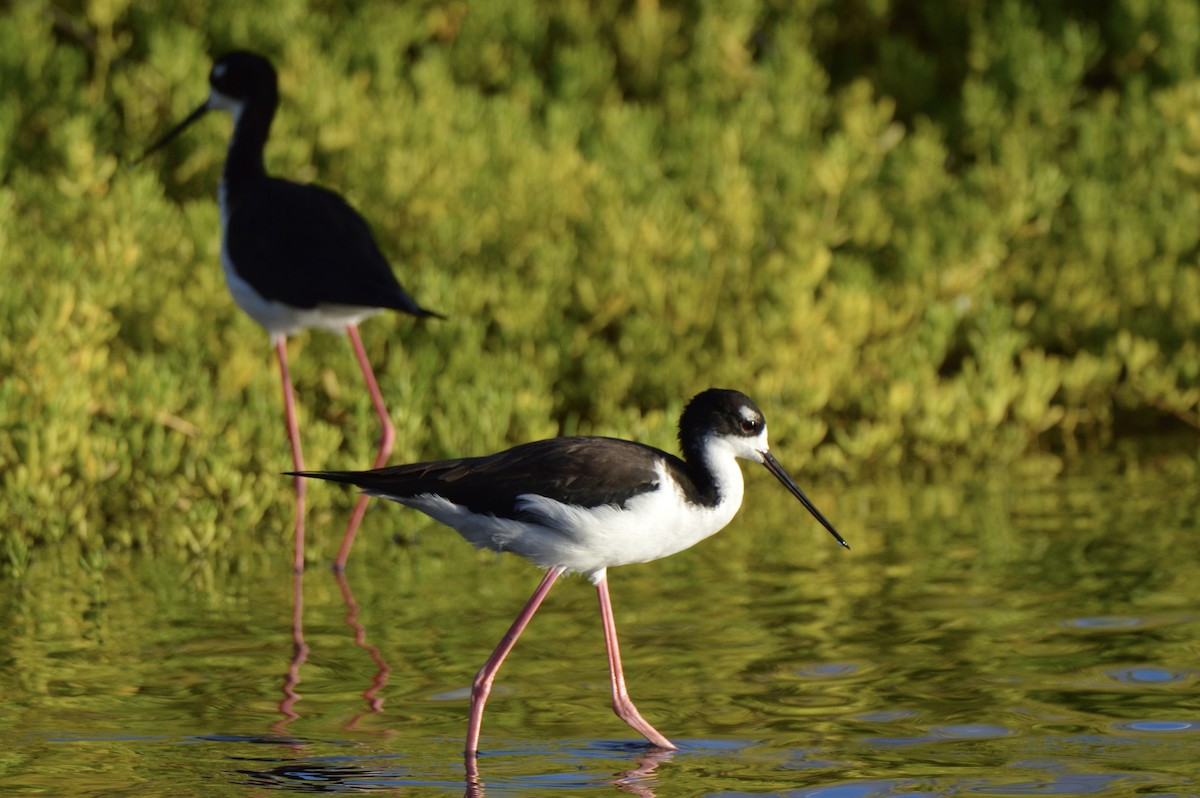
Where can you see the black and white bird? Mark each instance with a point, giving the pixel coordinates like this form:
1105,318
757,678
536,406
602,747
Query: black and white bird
295,256
586,504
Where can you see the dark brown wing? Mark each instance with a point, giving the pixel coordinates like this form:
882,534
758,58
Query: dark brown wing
582,471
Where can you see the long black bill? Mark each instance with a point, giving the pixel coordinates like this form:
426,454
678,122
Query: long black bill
775,468
170,135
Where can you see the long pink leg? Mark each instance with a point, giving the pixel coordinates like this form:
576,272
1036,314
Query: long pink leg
289,411
386,440
482,685
622,704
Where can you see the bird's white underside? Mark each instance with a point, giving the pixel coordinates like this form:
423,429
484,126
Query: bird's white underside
280,319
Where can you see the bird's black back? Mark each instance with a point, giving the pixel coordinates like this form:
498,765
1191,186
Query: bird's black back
315,239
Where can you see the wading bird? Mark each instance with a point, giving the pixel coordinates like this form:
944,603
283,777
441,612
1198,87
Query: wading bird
586,504
295,256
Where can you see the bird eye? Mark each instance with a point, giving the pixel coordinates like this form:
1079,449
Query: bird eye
748,426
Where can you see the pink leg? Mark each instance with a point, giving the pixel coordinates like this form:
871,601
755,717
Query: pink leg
487,674
388,436
386,440
622,704
289,411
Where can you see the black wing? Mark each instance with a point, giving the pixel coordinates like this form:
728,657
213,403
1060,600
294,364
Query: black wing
582,471
321,244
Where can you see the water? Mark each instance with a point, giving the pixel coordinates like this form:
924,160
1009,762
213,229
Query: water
995,636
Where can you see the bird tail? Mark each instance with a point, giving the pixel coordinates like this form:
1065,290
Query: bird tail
424,313
406,304
346,477
392,482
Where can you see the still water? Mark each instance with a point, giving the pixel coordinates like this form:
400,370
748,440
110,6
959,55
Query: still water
998,635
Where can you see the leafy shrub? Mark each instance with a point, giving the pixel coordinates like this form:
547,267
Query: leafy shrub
916,234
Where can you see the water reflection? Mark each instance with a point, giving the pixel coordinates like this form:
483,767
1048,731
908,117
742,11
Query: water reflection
992,639
1159,726
323,777
379,681
300,653
639,779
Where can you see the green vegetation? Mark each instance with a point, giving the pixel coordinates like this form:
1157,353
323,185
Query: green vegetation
916,232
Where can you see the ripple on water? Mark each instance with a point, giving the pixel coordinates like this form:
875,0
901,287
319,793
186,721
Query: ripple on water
858,789
1121,680
1158,726
969,731
1101,624
886,715
948,732
1038,783
1062,784
1150,675
1105,622
323,776
829,670
805,687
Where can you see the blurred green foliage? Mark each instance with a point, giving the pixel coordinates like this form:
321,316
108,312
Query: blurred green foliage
916,232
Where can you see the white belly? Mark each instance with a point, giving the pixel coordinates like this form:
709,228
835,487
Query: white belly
281,319
278,318
588,540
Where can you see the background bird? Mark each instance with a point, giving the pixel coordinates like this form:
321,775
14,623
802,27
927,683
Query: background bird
295,256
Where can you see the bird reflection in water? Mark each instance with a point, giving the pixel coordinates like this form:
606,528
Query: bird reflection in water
300,650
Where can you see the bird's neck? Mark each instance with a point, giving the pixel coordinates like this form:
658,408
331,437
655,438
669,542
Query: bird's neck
714,473
251,125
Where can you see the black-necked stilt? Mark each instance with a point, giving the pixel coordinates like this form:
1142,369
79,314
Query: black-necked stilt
584,504
295,256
